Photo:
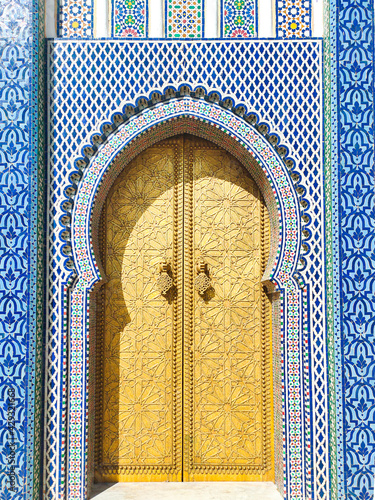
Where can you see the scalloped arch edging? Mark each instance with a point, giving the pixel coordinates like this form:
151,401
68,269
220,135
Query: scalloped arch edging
130,111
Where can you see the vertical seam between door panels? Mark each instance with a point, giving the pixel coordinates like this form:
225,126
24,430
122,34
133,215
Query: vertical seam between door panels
183,173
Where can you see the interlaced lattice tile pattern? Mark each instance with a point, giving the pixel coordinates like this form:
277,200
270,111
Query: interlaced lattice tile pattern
354,214
280,81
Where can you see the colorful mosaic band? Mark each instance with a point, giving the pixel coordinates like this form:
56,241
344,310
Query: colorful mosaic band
293,18
239,18
129,18
76,19
184,18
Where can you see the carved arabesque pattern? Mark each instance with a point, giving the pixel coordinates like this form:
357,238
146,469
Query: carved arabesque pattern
140,393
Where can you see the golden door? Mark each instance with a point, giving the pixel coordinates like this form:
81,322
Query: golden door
184,350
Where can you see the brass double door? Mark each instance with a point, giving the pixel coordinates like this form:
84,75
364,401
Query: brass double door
184,350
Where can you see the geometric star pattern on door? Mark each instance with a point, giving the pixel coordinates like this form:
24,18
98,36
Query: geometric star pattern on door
138,320
218,371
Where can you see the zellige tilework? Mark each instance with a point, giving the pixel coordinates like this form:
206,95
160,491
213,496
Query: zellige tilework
355,217
75,19
239,18
22,167
129,18
115,64
184,18
281,273
332,254
293,18
105,83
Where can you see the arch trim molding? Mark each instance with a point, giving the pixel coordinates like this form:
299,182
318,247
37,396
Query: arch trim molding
280,272
286,199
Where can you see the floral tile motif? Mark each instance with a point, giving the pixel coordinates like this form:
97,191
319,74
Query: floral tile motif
22,207
293,18
238,18
355,215
129,18
184,18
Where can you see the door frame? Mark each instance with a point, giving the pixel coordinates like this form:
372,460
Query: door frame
287,274
182,466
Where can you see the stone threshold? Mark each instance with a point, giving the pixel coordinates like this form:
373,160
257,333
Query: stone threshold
186,491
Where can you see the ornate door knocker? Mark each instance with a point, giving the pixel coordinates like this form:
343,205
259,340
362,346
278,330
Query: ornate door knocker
202,282
165,280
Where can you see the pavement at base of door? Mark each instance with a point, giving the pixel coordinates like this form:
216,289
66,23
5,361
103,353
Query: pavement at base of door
186,491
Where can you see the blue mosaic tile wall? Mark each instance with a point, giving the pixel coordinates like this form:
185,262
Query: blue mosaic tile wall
354,49
352,38
21,296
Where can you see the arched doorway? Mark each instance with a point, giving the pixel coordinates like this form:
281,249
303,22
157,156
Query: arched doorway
183,321
290,323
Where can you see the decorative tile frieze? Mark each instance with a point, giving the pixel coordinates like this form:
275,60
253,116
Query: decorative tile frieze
129,18
184,18
239,18
293,18
76,19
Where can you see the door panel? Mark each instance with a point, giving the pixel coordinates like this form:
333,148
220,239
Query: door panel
140,410
228,398
186,388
